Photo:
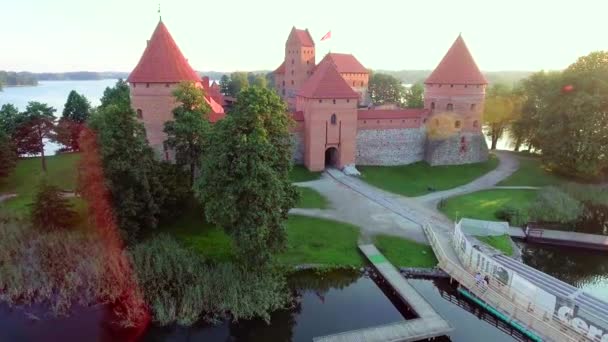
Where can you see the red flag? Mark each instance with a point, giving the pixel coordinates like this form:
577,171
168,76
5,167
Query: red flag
326,36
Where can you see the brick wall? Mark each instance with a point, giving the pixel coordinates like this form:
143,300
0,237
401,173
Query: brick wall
454,150
390,146
297,141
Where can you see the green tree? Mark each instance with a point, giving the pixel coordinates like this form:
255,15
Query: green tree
259,81
117,95
130,170
386,89
51,210
500,110
573,134
238,82
34,126
8,157
225,84
187,134
244,184
9,115
75,113
414,96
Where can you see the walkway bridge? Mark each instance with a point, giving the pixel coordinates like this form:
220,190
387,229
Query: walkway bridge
517,307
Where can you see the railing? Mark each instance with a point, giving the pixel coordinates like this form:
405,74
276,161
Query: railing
516,305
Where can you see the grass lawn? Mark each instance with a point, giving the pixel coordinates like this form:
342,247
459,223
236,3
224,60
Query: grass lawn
310,198
415,179
482,205
405,253
299,173
501,242
61,171
532,173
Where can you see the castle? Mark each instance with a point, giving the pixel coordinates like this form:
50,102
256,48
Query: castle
335,123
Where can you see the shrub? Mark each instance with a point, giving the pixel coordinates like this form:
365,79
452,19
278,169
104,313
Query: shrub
555,205
60,269
515,216
179,287
51,210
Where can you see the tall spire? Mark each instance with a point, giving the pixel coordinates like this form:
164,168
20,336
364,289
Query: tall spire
162,61
457,67
160,18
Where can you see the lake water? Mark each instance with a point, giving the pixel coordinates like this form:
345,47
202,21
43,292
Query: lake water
55,94
332,303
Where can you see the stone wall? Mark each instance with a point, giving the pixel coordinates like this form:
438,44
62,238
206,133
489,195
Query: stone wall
455,150
297,140
390,146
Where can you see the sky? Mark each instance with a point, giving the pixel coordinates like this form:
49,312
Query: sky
229,35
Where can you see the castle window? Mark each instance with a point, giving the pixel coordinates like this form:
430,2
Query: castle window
472,106
166,85
391,121
362,83
432,105
424,121
466,85
307,62
402,121
140,114
364,121
439,86
333,119
451,86
147,85
292,61
457,124
334,101
292,72
283,83
347,100
353,83
291,82
475,123
320,101
450,107
378,121
134,85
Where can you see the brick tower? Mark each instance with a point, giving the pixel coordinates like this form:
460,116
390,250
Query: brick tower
161,67
455,94
297,66
329,107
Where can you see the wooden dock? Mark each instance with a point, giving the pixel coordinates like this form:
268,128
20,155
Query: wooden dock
561,238
428,324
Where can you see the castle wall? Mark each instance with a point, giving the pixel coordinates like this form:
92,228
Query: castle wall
461,148
297,140
466,101
392,146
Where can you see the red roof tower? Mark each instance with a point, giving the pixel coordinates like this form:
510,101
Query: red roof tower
326,83
162,61
457,67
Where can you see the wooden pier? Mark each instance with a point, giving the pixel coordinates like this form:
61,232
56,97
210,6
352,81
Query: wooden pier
428,324
561,238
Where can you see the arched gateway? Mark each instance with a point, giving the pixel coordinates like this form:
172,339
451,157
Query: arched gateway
331,157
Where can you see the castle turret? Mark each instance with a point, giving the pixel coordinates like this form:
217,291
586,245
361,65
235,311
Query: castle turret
297,66
455,94
161,67
329,107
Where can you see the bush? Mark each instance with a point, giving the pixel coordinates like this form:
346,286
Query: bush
179,287
51,210
555,205
61,269
515,216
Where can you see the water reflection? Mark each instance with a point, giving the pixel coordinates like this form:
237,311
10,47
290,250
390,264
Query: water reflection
585,269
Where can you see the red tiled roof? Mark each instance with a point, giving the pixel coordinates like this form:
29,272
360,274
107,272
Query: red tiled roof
298,116
325,83
162,61
457,67
345,63
217,111
280,69
304,37
392,113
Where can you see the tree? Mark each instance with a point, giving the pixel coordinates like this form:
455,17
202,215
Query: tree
117,95
51,210
34,126
8,157
385,89
187,134
129,167
500,110
9,114
244,184
238,82
75,113
414,96
259,81
225,84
